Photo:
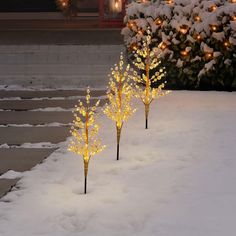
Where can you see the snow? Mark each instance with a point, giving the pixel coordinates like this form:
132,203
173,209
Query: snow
233,25
209,65
11,174
232,40
175,179
220,36
175,41
188,49
179,63
197,58
10,98
206,48
227,62
32,145
53,109
190,39
5,145
216,54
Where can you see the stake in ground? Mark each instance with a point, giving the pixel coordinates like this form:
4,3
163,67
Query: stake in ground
84,131
119,94
146,60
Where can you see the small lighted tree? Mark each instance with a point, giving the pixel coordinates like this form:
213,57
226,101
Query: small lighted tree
119,95
146,60
84,131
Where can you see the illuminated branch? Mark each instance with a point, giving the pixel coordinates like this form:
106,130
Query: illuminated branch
119,95
146,60
84,131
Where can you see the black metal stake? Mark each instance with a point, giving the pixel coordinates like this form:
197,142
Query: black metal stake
118,150
146,127
85,185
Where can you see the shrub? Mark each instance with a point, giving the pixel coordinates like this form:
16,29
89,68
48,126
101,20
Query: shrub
196,40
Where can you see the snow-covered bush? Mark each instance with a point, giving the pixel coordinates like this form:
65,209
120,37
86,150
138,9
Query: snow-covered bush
196,39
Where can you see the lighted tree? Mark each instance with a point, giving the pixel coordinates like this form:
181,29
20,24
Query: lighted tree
84,131
146,60
119,94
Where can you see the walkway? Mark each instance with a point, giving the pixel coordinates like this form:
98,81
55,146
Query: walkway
29,117
51,57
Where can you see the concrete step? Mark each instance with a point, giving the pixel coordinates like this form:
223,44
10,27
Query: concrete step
45,58
57,48
56,81
35,117
26,94
49,49
20,135
61,36
22,105
55,70
6,185
21,159
59,55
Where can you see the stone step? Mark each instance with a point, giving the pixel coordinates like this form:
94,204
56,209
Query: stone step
6,185
22,159
20,135
22,105
35,117
26,94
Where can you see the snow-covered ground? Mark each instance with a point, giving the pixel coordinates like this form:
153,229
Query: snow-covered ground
177,178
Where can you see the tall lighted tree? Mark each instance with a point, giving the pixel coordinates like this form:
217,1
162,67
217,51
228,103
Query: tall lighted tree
84,131
146,60
120,93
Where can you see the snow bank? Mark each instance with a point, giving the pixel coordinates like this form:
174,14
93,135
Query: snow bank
175,179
